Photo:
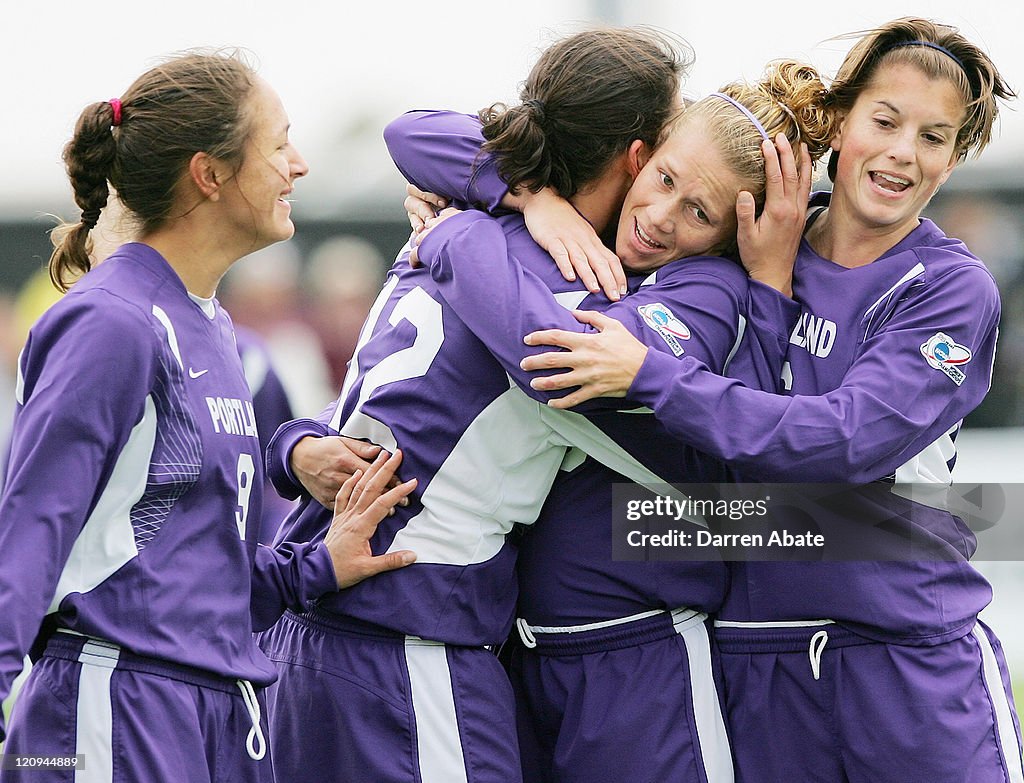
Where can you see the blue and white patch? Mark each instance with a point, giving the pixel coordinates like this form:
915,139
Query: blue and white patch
943,353
661,320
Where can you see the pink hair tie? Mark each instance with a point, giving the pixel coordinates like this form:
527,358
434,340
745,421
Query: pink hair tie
115,104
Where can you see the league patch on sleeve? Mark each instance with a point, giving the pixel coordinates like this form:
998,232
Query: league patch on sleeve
661,320
943,353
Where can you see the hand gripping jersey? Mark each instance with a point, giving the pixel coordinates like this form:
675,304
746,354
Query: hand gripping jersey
131,505
885,361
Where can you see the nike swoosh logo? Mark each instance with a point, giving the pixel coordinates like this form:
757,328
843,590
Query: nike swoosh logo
193,374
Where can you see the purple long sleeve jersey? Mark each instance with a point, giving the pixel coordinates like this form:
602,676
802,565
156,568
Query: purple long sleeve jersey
884,363
485,453
132,499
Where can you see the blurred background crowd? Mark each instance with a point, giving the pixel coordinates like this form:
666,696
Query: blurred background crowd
307,298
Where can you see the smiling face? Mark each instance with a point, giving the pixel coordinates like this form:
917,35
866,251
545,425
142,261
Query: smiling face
682,203
897,146
258,194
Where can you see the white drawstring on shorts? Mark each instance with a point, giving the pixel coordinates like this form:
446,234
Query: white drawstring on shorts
255,742
529,640
814,651
528,632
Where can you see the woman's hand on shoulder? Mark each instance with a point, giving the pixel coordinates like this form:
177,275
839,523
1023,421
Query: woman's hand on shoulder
571,241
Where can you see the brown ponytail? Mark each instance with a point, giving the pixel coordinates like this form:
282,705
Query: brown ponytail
89,158
586,99
194,102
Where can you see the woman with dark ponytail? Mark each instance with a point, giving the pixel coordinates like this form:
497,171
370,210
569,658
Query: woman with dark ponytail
129,563
587,98
611,650
565,130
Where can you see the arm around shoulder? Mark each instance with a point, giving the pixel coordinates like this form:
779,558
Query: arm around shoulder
440,152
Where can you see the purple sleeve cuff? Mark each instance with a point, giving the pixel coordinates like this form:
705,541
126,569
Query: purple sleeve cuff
655,377
772,310
279,452
486,187
289,576
320,576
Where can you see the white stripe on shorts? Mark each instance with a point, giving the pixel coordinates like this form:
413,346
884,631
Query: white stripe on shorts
1005,730
707,710
433,703
95,720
